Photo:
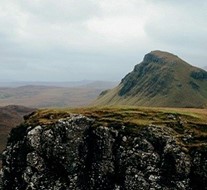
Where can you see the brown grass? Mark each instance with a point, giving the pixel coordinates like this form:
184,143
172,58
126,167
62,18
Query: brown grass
184,121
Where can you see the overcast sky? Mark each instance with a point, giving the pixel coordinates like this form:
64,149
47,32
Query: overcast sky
70,40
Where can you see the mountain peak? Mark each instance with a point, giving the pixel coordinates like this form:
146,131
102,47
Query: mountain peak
160,53
162,79
160,56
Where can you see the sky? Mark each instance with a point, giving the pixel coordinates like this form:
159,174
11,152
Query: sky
73,40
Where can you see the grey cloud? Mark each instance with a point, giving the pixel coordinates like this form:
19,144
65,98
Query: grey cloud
84,39
12,66
62,11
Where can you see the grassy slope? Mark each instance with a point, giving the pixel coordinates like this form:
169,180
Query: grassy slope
176,93
184,121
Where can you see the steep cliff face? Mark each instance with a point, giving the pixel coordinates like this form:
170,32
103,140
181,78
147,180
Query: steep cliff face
77,152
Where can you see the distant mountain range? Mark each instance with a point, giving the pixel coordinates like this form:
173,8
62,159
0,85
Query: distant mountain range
161,79
83,83
46,94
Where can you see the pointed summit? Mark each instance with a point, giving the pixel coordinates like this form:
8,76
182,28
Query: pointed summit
161,79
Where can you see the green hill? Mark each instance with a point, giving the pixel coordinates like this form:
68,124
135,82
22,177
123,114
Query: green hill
160,80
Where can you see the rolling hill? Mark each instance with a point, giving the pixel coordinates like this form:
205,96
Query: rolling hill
160,80
52,94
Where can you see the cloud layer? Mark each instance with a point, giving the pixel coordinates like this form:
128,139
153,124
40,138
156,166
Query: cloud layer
95,40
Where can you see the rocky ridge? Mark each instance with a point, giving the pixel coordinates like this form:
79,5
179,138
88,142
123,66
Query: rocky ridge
79,152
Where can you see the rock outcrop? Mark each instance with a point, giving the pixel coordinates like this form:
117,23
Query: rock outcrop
10,116
79,153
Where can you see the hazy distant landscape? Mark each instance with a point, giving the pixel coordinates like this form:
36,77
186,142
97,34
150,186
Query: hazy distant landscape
42,94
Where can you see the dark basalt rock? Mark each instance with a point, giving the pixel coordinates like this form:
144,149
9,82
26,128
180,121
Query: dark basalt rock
199,75
78,153
150,57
